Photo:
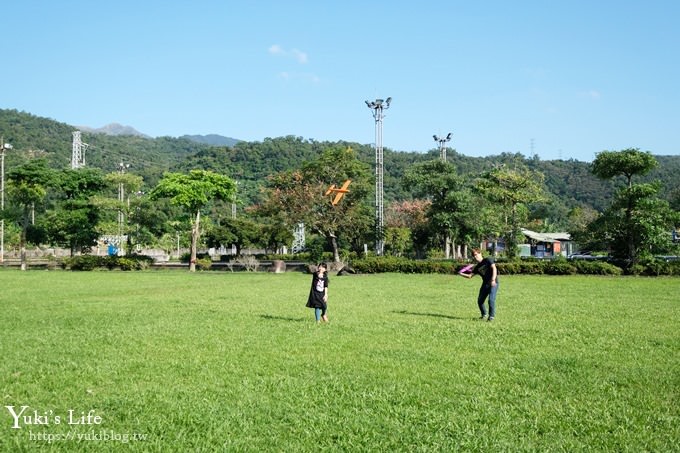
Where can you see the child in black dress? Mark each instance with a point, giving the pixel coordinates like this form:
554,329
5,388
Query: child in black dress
318,294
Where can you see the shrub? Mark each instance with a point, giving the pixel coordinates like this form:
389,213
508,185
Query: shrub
655,267
558,267
93,262
373,265
596,268
83,262
249,262
203,264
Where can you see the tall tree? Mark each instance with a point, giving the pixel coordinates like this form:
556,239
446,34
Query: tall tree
240,231
128,202
74,219
627,163
410,215
450,208
28,186
299,196
512,190
193,192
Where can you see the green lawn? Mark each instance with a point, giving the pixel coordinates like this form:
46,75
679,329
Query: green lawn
220,361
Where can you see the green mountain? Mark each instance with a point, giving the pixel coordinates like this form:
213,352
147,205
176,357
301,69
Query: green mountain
212,139
569,183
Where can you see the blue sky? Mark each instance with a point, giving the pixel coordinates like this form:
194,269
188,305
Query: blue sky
556,79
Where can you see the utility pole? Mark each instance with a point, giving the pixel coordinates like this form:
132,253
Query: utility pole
442,154
378,106
3,146
233,205
442,145
121,198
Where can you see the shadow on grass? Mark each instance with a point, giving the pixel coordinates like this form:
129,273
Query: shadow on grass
282,318
433,315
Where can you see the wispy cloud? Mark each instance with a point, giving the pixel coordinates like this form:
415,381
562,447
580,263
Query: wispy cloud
296,54
591,94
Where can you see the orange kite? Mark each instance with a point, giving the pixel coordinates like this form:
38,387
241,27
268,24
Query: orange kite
339,193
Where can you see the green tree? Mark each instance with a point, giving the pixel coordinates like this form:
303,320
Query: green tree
27,187
512,190
450,210
410,215
193,192
128,202
627,163
625,235
299,196
637,225
239,231
73,220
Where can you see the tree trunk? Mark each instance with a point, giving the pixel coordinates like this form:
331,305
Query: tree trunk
333,241
22,240
194,242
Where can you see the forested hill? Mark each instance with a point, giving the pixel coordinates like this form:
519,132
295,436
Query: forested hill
569,182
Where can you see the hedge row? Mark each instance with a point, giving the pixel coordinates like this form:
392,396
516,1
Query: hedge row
94,262
536,267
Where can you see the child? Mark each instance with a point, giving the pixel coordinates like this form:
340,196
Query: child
318,294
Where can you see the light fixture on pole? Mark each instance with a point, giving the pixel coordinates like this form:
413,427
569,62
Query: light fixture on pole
3,146
378,106
121,198
442,144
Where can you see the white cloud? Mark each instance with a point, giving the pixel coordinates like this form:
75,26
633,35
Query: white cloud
295,54
275,50
299,55
591,94
594,94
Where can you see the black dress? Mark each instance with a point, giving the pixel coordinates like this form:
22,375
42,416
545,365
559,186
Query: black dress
317,291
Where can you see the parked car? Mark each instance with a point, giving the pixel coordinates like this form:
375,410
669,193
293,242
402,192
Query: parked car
585,256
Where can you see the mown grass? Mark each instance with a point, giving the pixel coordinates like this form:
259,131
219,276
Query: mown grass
234,362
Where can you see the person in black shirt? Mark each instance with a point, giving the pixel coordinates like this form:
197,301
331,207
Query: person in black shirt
486,268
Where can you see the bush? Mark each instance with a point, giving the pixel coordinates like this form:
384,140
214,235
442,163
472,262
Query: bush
558,267
249,262
204,263
596,268
374,265
94,262
655,267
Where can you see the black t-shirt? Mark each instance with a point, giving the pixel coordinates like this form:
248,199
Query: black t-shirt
483,268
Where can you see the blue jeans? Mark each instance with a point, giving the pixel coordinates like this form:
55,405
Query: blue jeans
490,292
318,313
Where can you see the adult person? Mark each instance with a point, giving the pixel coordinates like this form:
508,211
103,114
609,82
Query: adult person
486,268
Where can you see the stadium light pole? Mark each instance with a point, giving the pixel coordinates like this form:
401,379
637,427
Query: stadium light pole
3,146
121,198
442,145
378,106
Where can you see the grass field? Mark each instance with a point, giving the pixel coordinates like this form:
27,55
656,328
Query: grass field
171,361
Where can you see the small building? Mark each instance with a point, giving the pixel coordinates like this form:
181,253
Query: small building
546,245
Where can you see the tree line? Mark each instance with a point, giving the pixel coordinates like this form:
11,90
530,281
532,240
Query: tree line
432,206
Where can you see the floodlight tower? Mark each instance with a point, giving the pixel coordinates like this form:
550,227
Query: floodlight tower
3,147
378,106
121,198
442,144
78,154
